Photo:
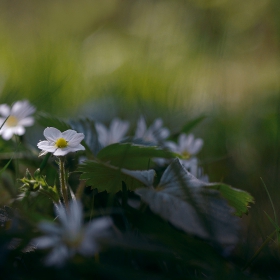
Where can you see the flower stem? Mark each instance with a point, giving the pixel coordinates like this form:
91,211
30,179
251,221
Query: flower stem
62,179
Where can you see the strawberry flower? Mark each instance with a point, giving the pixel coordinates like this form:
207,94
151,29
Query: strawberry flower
16,118
61,143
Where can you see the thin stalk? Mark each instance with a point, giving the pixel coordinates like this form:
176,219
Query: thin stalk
62,178
16,162
274,211
259,250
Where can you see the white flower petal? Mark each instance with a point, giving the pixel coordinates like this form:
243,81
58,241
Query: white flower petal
88,247
118,129
52,134
141,128
17,108
189,140
19,130
46,146
77,148
62,151
29,121
7,133
49,228
62,215
102,134
22,109
196,147
154,133
162,134
57,256
45,242
171,146
157,124
2,120
5,110
98,225
68,134
182,140
76,139
75,217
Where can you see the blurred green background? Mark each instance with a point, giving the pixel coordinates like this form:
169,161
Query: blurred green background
175,59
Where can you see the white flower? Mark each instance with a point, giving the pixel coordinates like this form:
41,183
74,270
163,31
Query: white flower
187,145
71,236
61,143
155,133
18,116
114,134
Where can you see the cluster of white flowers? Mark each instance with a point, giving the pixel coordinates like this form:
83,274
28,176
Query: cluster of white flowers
188,146
14,119
70,235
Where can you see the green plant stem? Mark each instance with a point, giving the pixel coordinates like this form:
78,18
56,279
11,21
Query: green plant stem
62,178
274,211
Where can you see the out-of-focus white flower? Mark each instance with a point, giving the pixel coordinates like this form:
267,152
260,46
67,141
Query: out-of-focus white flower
155,133
61,143
187,145
114,134
70,235
18,117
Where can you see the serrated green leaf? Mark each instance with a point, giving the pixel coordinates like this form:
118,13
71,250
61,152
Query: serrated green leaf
236,198
132,156
188,204
107,177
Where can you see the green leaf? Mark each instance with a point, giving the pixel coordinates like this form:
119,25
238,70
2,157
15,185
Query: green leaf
191,124
188,204
273,222
107,177
6,166
236,198
132,156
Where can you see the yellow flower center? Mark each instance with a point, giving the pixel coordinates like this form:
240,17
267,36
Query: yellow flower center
73,241
12,121
186,155
61,143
